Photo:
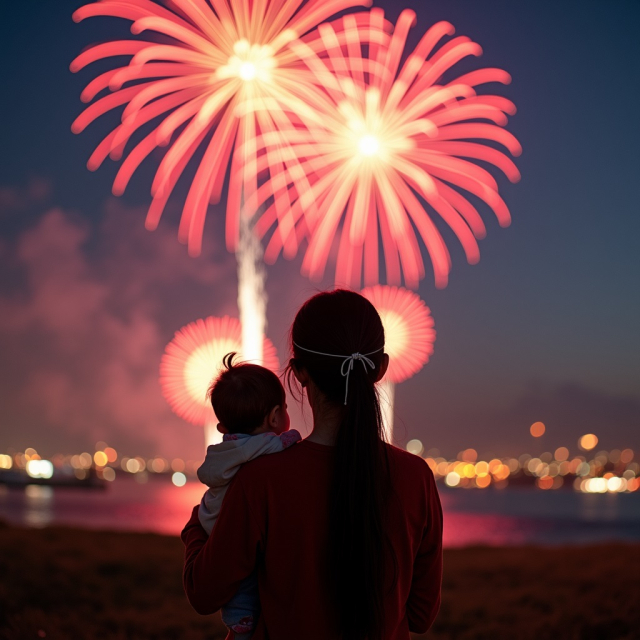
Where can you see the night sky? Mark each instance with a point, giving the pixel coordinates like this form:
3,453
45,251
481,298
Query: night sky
544,328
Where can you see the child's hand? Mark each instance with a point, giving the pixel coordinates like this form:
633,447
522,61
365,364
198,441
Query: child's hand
289,438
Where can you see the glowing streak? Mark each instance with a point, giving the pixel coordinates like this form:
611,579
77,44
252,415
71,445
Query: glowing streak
388,148
409,338
193,359
252,298
387,393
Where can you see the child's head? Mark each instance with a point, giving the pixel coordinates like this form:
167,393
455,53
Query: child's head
248,398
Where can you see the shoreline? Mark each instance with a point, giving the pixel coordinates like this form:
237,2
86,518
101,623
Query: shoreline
60,582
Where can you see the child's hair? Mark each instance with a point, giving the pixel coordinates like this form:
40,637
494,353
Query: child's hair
244,394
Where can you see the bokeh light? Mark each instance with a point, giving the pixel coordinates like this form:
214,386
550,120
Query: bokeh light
179,479
626,456
100,458
40,468
588,441
452,479
177,464
415,447
537,429
158,465
109,474
469,455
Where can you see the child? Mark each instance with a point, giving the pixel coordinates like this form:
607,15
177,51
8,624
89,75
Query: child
249,401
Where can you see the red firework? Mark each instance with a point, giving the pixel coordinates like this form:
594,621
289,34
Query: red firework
390,147
221,74
193,359
408,329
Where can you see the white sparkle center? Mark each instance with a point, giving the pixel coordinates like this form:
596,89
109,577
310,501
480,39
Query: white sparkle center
396,333
368,145
247,71
249,62
203,365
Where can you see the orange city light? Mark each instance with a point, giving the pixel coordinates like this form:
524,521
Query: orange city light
588,441
537,429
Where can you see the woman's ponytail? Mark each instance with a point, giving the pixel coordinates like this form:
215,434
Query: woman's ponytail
357,520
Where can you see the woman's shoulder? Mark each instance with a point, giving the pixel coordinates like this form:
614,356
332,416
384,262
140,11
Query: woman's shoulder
311,459
268,465
408,465
405,456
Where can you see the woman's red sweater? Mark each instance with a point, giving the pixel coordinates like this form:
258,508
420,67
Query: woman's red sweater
275,516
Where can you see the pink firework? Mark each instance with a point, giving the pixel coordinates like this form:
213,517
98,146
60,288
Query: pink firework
219,76
408,329
194,357
391,147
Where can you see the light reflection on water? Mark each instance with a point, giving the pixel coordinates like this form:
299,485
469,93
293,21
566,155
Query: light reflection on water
507,517
38,506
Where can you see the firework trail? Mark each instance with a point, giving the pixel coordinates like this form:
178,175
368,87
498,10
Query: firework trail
391,147
215,78
409,338
193,359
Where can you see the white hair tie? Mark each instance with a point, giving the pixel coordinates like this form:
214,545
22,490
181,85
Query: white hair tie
347,363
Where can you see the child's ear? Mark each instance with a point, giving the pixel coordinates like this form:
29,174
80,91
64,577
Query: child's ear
221,428
272,418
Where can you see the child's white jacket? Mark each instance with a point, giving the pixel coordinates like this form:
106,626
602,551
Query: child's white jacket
223,461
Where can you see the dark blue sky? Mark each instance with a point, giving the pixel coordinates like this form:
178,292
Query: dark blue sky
543,328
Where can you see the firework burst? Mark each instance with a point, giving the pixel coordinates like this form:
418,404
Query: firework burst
217,78
192,360
391,146
408,329
408,339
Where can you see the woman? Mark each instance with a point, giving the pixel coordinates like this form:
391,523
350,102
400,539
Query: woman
345,530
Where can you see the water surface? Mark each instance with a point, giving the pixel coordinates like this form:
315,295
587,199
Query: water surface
512,516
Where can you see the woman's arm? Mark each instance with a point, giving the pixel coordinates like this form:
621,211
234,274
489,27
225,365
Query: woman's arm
215,566
424,597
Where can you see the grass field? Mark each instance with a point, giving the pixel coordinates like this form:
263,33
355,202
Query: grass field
69,583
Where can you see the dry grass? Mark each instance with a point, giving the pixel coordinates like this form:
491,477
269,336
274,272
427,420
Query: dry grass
565,593
67,583
70,583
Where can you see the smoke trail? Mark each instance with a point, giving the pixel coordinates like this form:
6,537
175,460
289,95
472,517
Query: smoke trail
386,392
252,298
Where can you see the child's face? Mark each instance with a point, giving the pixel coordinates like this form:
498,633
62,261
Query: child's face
281,421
